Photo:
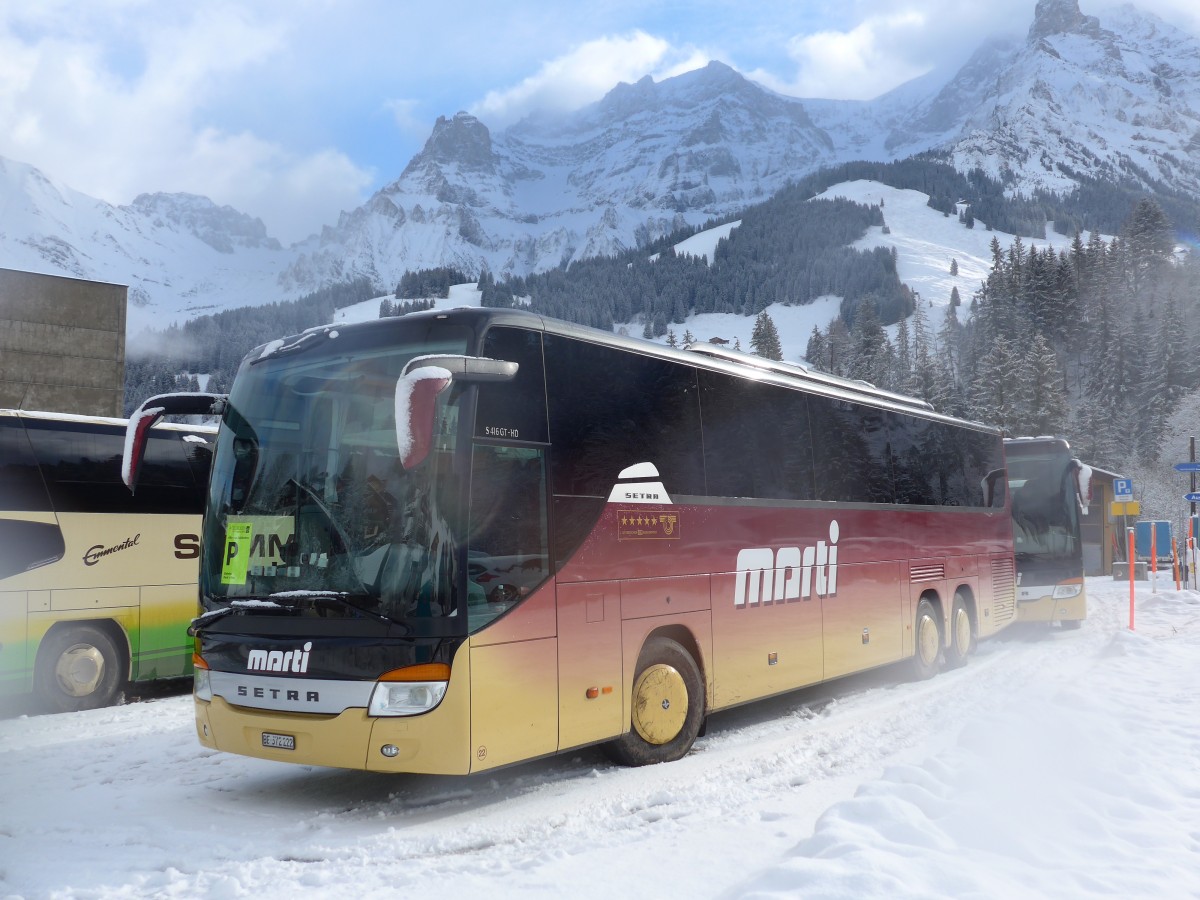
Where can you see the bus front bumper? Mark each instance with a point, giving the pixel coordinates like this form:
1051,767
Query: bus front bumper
434,743
1049,608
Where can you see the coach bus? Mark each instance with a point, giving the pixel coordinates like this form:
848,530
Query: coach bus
1050,489
97,586
452,541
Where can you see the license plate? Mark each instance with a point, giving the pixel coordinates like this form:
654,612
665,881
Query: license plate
279,741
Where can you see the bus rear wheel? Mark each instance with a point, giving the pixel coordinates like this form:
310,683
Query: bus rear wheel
962,634
78,667
927,635
667,708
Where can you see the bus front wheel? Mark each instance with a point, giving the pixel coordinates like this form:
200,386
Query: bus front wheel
668,706
78,667
928,639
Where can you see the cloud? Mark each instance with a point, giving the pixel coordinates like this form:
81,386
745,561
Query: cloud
120,98
858,64
587,73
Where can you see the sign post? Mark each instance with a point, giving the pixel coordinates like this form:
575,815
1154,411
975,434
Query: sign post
1130,557
1154,557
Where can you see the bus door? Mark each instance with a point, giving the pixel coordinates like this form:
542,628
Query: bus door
510,608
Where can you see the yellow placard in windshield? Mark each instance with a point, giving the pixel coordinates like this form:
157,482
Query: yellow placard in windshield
237,552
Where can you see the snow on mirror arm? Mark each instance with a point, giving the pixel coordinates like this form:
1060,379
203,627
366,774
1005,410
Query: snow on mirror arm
417,389
137,430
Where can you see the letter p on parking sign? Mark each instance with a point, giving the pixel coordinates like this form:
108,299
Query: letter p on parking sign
237,553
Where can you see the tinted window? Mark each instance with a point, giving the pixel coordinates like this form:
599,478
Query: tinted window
916,469
21,486
514,410
756,439
81,462
28,545
850,451
611,408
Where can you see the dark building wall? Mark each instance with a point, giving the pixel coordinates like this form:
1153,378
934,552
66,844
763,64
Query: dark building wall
62,344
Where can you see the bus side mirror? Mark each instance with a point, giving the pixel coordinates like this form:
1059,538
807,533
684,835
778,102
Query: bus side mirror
416,405
1083,484
993,486
137,429
417,391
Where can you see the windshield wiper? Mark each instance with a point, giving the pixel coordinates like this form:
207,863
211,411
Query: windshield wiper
295,599
203,620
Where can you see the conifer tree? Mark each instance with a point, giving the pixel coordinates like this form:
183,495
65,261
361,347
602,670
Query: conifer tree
764,340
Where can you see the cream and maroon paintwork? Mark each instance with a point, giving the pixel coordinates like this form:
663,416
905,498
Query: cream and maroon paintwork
557,671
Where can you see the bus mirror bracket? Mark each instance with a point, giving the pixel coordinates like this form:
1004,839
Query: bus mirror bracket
466,368
137,429
417,390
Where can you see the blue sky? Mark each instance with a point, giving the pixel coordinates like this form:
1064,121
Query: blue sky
294,111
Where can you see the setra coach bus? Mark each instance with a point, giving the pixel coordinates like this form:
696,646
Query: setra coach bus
97,587
452,541
1049,490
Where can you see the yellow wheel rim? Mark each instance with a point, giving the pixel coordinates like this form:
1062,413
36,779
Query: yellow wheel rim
927,641
962,630
660,704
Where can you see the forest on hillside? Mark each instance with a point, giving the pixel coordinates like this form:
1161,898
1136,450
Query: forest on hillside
1094,342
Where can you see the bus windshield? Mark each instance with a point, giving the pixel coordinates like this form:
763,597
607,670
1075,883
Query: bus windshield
309,497
1045,506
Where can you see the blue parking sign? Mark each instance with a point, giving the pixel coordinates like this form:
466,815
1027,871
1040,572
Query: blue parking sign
1123,489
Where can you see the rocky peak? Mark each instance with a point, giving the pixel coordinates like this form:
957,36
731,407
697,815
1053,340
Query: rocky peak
1060,17
463,140
221,227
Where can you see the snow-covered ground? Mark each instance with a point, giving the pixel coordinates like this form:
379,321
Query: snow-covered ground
1054,765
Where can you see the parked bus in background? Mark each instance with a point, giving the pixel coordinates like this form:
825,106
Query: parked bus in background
451,541
97,586
1049,489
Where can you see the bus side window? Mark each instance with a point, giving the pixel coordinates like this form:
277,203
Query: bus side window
81,462
778,464
25,545
21,485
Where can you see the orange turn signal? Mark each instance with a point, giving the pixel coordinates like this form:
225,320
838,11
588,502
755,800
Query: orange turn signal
422,672
198,661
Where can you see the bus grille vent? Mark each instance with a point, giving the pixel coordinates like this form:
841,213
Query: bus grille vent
1004,591
927,572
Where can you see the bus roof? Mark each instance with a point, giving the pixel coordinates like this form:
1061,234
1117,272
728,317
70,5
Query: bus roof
44,415
704,356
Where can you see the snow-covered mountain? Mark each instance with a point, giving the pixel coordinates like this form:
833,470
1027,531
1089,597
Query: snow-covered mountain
1115,97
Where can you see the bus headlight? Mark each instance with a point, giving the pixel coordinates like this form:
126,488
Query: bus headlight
201,680
202,685
409,691
405,698
1067,591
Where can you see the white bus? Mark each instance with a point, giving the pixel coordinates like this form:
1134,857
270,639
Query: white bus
97,586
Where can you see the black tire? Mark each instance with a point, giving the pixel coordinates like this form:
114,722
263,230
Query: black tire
927,642
661,731
962,633
78,667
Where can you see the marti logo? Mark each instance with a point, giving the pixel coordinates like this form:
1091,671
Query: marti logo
777,576
279,660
